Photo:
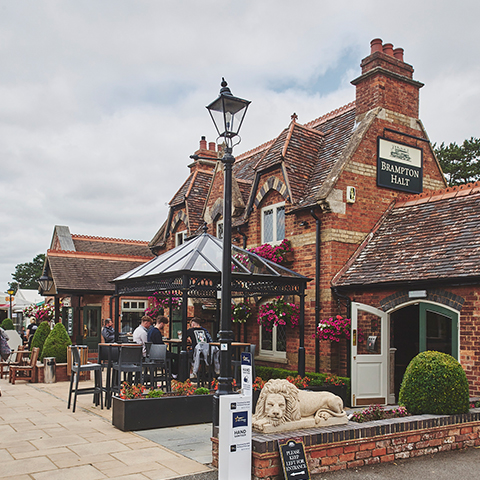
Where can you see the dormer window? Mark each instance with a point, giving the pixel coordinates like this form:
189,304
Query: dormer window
273,223
180,237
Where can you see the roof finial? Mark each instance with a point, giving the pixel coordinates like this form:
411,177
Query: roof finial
294,117
205,227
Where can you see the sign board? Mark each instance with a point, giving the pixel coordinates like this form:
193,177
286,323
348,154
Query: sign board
246,371
294,461
235,437
399,166
70,321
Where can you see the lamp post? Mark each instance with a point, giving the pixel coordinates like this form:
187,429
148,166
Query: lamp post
227,113
10,292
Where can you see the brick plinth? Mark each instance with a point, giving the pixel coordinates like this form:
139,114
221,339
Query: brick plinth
358,445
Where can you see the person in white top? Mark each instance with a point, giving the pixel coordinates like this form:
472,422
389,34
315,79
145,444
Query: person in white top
140,333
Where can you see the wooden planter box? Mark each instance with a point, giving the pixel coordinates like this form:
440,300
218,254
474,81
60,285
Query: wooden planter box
148,413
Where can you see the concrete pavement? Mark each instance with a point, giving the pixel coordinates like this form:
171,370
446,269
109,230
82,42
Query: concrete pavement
41,439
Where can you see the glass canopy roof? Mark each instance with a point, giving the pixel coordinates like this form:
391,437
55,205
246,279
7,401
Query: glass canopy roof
203,254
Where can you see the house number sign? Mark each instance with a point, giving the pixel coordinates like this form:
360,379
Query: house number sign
399,166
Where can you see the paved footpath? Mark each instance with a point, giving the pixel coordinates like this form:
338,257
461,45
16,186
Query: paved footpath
41,439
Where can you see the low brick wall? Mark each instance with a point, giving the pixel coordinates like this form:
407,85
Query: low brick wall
356,445
61,374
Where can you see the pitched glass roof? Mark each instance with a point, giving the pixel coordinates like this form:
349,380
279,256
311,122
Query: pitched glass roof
203,254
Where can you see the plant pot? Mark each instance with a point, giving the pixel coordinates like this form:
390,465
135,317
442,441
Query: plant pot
339,390
148,413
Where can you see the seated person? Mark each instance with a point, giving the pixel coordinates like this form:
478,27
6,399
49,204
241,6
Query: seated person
108,333
156,334
197,334
140,333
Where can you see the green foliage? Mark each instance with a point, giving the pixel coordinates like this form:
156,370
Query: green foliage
460,163
267,373
155,393
201,391
7,324
435,383
377,412
56,344
41,334
27,274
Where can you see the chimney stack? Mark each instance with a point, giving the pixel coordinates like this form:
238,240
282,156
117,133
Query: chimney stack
386,81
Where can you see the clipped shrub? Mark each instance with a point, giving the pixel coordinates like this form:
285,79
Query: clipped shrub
56,344
435,383
7,324
41,334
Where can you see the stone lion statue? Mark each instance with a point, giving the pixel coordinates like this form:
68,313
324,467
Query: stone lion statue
282,406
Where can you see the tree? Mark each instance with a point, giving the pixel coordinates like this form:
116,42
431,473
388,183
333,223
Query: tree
27,274
460,163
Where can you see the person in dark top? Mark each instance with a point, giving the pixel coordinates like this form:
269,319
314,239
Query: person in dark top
197,334
155,334
31,332
108,333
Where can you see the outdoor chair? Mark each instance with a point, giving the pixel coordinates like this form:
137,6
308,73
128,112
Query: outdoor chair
25,371
157,368
19,360
108,355
76,370
129,363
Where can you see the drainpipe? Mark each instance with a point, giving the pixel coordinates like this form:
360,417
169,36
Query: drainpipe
244,235
317,286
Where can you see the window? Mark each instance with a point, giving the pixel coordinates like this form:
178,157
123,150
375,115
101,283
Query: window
132,312
220,229
273,223
180,238
273,344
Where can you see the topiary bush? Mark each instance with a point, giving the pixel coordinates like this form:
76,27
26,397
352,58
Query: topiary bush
435,383
56,344
7,324
41,334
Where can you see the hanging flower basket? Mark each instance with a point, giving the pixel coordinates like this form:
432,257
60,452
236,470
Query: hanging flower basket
159,302
278,312
279,253
241,312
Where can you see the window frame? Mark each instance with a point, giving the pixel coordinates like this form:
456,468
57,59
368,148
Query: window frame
220,223
273,354
275,208
181,234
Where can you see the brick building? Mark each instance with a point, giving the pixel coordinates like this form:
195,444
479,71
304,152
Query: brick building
81,268
327,186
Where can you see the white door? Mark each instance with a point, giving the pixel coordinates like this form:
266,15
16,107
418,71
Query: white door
370,355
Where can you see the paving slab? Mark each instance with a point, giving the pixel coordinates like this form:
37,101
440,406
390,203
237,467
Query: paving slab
41,439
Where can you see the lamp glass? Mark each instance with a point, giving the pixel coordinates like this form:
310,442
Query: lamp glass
227,113
45,282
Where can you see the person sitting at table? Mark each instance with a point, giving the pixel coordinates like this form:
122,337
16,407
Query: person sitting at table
108,333
197,334
155,334
140,333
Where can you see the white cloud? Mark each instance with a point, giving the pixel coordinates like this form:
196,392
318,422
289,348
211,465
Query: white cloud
101,103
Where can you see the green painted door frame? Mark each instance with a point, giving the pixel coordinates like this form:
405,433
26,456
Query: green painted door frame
428,308
92,325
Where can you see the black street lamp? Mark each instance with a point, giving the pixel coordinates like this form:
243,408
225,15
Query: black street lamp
227,113
10,292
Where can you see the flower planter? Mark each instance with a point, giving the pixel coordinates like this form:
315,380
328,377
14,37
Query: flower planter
339,390
148,413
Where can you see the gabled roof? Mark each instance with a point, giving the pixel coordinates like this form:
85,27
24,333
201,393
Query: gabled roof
422,238
90,262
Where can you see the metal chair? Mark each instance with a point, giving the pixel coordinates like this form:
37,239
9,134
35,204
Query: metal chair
158,366
76,370
129,362
108,355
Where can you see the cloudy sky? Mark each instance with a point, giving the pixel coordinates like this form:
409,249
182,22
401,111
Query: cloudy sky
103,101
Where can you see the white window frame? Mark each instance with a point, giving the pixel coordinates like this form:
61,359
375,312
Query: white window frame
180,237
273,354
274,207
220,234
